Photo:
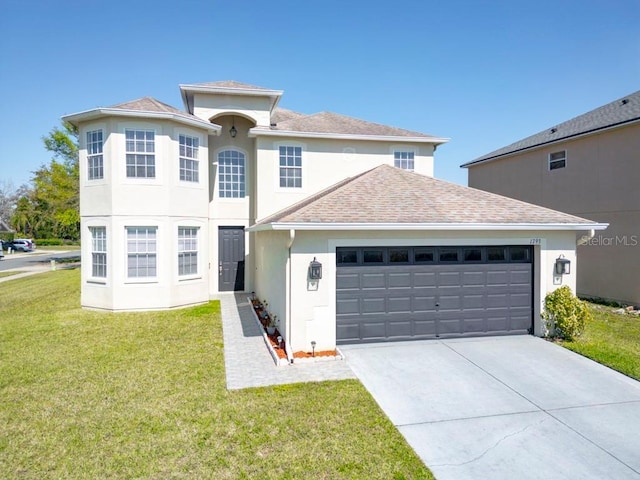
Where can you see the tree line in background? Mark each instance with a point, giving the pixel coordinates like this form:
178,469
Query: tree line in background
49,207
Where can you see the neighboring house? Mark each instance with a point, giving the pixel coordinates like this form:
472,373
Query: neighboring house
587,166
236,194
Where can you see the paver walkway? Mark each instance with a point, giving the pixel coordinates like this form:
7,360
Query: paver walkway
247,360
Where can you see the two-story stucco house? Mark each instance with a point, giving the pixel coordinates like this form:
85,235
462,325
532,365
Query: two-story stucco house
234,193
588,166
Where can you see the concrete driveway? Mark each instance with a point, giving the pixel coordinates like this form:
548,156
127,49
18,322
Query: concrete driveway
505,408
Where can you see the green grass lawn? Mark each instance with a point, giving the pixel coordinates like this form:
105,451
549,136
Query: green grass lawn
611,339
142,395
10,273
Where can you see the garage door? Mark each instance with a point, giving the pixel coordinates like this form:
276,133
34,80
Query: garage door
407,293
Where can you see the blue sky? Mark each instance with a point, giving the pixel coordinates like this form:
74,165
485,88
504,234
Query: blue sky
483,73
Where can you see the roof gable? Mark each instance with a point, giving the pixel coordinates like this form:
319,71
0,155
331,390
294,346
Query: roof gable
389,195
619,112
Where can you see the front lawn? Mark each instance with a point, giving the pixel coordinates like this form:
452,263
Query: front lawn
10,273
142,395
611,339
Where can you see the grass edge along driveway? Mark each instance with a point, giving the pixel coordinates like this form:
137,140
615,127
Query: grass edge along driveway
142,395
611,339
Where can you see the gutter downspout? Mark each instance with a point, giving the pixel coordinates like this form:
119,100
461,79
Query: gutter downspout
292,237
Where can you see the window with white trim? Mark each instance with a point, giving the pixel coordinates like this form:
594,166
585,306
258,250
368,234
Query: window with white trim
231,174
291,167
404,160
98,252
189,165
557,160
140,149
95,165
187,250
141,252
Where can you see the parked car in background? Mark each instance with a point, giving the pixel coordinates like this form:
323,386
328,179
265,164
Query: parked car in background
28,242
19,245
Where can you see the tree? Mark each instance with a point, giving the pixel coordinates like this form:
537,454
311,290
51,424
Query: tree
51,208
9,196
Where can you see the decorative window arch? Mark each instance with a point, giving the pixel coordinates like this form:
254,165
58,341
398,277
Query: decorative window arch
231,174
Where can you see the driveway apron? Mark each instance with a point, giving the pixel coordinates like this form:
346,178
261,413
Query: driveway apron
505,407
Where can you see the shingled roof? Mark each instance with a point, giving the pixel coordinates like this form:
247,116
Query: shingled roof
150,104
391,196
229,84
620,112
145,106
329,122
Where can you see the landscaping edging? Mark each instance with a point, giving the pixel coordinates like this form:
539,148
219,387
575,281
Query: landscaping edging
284,361
277,360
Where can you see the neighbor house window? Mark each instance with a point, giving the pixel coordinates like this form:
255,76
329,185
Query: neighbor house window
231,174
291,167
558,160
95,166
141,252
189,164
187,250
140,149
403,160
98,252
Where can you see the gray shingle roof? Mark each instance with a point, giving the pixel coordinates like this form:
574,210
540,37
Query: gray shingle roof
230,84
390,195
280,115
328,122
619,112
147,104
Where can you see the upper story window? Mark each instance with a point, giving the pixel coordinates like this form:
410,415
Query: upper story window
141,159
403,160
95,165
291,167
557,160
98,252
231,174
189,164
141,252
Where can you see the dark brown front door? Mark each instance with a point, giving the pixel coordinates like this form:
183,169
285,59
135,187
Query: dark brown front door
231,258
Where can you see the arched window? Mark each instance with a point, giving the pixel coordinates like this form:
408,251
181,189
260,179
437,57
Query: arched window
231,174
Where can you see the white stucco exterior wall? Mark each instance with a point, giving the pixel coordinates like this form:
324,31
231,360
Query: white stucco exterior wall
324,163
116,202
313,305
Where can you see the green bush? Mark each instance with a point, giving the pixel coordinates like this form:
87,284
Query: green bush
46,242
565,314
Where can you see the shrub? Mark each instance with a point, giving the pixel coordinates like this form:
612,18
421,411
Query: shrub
565,314
44,242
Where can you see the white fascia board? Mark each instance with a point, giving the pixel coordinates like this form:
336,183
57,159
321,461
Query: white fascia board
257,92
430,226
261,131
117,112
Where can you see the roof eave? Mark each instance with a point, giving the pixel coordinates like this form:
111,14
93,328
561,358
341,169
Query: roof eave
87,115
428,226
274,95
473,163
265,132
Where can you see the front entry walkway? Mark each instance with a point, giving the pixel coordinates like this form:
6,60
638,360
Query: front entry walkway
505,408
247,361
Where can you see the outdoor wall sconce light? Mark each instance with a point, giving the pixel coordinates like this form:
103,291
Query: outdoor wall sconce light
563,266
233,132
313,348
315,269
